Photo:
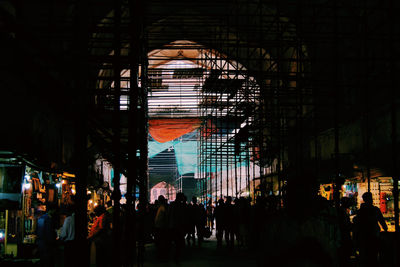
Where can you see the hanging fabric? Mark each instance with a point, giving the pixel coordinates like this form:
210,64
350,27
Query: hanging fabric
186,157
164,130
156,147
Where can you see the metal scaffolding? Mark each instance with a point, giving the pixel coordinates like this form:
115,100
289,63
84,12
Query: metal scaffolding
264,78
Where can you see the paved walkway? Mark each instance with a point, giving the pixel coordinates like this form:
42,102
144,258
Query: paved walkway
205,256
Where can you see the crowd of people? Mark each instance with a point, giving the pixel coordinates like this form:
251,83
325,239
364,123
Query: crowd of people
305,226
235,223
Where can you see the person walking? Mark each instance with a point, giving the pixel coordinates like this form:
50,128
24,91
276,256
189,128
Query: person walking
46,236
177,224
368,223
219,214
67,236
100,236
199,217
161,229
229,223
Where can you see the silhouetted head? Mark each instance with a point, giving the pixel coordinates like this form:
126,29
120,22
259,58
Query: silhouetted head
194,200
180,197
220,201
161,199
367,197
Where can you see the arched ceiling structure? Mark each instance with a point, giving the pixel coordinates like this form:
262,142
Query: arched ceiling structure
345,49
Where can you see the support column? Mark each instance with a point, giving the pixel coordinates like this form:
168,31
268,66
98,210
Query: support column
116,140
80,163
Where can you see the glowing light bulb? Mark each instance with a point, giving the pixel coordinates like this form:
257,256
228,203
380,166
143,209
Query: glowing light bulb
73,191
58,185
1,235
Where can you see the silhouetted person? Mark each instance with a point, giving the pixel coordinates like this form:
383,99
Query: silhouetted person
200,228
236,226
177,224
229,223
144,226
190,223
46,237
219,221
161,229
99,235
367,224
67,235
199,219
210,214
243,221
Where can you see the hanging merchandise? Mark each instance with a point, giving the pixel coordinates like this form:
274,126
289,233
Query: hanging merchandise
383,202
40,175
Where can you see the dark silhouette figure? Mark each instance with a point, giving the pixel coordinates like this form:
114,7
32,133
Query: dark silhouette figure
243,220
210,214
100,236
177,224
190,224
161,229
219,221
199,218
202,222
368,230
67,236
229,223
46,237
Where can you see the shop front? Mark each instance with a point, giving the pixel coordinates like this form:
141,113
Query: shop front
382,193
35,192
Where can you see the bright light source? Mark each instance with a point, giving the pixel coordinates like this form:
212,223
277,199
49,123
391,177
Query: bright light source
63,181
1,235
95,204
27,177
68,174
58,185
73,191
90,201
27,186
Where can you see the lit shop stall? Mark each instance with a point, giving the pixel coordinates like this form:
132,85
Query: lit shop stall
24,192
382,193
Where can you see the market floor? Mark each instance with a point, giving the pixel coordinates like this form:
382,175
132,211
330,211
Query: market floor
205,256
